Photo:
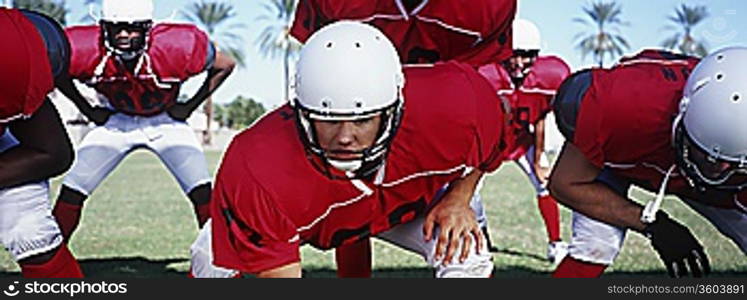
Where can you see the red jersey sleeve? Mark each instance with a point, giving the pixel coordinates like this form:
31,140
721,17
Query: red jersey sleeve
496,30
306,20
250,232
179,50
491,128
25,72
590,135
86,50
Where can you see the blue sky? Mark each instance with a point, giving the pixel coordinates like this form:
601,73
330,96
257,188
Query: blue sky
262,78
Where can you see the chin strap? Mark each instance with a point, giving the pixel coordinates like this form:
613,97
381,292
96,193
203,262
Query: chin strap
649,211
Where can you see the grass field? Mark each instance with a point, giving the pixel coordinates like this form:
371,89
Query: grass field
138,224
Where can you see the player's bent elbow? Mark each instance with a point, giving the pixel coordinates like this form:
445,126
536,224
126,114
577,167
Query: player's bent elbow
61,160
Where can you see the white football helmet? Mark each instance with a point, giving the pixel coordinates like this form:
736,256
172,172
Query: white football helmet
132,15
526,36
711,129
347,71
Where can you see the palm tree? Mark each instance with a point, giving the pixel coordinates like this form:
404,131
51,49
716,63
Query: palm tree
606,38
275,39
215,18
685,18
54,9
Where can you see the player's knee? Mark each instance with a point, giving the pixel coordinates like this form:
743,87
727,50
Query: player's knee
31,237
201,194
71,196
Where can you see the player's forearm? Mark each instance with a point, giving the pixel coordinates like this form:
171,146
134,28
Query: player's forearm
573,183
539,141
43,150
465,187
67,87
598,201
222,68
22,165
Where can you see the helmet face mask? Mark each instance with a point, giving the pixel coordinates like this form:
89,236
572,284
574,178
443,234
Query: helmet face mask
348,72
133,16
134,45
362,163
704,170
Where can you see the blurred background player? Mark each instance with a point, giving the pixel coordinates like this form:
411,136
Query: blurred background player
527,83
138,67
34,145
422,31
658,121
363,159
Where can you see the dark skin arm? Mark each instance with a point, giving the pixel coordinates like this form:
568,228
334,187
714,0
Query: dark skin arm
44,151
222,67
97,115
573,184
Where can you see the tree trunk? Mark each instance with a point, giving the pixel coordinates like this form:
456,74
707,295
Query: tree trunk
207,137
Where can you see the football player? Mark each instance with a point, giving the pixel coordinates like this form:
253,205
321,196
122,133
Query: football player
34,145
665,122
364,154
138,67
527,83
423,31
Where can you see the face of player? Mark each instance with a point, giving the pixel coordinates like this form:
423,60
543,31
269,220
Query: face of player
125,38
712,170
518,66
345,140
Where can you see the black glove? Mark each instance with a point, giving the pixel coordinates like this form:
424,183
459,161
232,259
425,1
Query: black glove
99,115
179,112
677,247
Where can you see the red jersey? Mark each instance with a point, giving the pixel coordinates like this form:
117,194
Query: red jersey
625,122
175,53
25,72
269,199
476,32
529,102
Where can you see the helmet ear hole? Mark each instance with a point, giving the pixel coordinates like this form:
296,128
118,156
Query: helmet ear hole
719,77
736,97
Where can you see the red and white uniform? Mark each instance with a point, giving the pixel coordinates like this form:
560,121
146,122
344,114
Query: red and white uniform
259,221
27,227
529,102
175,53
26,76
624,126
474,32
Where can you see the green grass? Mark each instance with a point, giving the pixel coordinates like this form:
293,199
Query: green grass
139,224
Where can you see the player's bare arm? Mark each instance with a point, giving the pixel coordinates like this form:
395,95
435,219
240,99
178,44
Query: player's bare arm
222,67
456,220
97,115
36,158
543,172
292,270
573,183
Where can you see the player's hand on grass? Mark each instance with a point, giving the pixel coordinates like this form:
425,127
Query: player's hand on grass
457,225
179,112
99,115
677,247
